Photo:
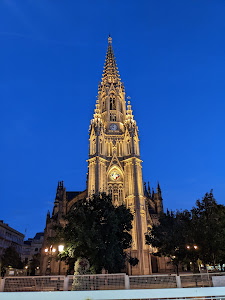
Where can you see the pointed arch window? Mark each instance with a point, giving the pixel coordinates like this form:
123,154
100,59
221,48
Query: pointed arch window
121,149
103,105
120,194
110,149
112,100
128,147
101,147
110,189
118,149
93,147
136,147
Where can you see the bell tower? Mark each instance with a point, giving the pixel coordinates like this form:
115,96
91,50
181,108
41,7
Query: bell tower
114,164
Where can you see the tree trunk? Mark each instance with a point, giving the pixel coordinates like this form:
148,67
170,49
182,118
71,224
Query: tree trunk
177,267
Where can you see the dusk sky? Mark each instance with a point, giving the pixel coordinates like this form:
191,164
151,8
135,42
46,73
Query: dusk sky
171,58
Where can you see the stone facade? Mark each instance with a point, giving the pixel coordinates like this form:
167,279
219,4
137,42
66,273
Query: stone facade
115,167
10,237
32,247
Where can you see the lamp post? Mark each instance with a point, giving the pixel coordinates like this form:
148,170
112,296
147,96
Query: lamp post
193,249
50,252
27,270
60,249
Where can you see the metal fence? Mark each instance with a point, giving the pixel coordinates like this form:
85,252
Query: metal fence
31,284
198,280
97,282
108,282
153,282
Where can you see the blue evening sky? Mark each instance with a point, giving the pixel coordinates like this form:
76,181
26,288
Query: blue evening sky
171,58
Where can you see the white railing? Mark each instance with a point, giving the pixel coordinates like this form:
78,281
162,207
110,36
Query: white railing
108,282
170,294
33,283
153,282
98,282
199,280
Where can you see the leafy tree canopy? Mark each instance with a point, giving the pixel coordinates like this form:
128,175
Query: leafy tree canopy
170,236
203,227
11,258
98,231
208,229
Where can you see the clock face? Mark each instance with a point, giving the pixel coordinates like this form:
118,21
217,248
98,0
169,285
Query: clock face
114,176
113,127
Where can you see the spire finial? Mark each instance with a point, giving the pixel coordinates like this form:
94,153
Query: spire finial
110,71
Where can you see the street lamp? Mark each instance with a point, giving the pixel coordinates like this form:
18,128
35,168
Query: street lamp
49,251
27,270
60,249
194,248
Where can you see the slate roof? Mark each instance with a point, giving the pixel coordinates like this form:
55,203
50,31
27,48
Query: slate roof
71,195
38,235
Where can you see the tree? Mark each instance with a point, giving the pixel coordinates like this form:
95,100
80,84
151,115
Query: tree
100,232
208,223
11,258
192,236
170,236
81,267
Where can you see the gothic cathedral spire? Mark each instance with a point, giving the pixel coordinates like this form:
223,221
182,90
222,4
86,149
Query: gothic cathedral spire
114,164
110,71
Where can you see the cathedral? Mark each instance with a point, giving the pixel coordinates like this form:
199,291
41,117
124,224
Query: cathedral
114,167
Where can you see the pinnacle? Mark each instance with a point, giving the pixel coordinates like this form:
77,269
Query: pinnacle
110,72
129,116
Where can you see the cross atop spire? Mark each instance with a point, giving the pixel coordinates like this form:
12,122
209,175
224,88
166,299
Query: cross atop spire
110,71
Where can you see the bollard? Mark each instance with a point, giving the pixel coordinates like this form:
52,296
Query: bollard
66,283
2,284
127,282
178,281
